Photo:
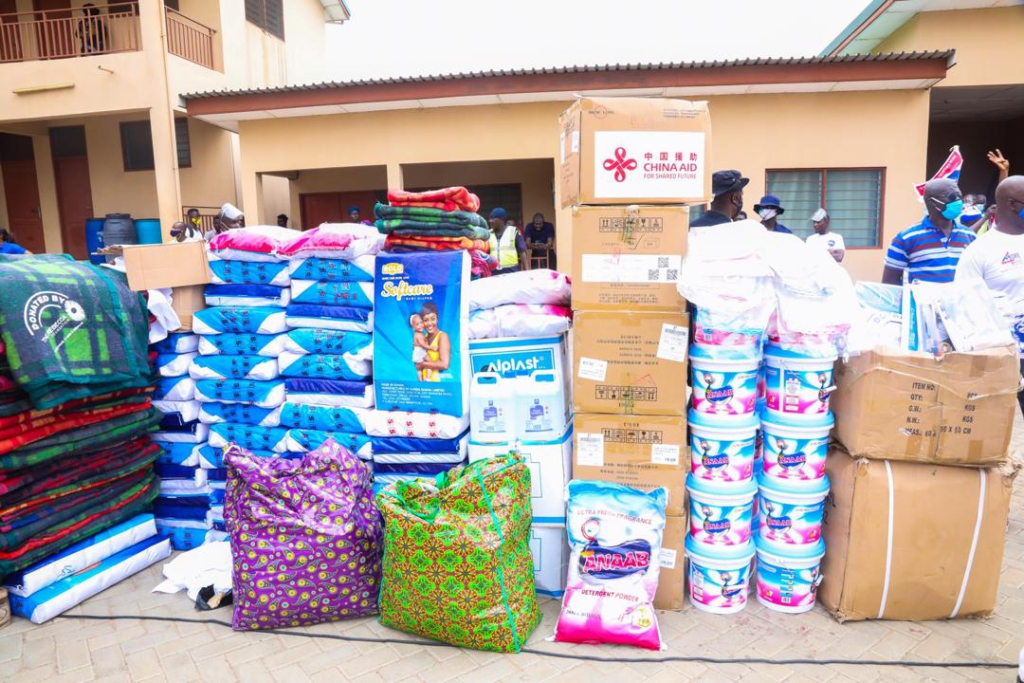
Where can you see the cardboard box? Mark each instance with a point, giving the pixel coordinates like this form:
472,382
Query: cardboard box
550,465
955,410
631,150
913,541
186,301
671,593
520,357
630,363
645,452
164,266
550,548
628,258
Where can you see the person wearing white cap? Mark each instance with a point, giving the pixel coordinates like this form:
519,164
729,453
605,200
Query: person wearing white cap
824,238
229,218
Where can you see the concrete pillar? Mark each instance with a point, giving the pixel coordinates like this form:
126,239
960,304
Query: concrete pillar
396,181
252,197
52,236
563,231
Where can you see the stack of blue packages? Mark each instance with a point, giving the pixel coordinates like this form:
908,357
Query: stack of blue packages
403,458
184,500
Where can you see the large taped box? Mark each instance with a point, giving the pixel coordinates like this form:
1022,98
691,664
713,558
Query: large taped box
671,593
164,266
953,410
912,541
630,363
186,301
646,452
629,150
628,257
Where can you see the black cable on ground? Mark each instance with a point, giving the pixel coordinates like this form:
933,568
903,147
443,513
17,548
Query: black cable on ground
700,659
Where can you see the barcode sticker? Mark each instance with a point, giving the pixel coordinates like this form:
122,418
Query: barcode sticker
667,558
665,454
575,141
675,339
590,450
591,368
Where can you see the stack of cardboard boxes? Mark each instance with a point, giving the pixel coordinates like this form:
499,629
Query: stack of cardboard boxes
916,520
629,168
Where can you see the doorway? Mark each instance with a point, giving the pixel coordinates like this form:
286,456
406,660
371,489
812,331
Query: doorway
21,188
332,207
74,191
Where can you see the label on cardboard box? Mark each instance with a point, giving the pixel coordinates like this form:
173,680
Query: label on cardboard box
648,164
590,450
665,454
632,268
674,343
667,558
575,137
592,368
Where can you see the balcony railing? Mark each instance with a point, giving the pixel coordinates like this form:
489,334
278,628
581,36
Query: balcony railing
66,33
189,39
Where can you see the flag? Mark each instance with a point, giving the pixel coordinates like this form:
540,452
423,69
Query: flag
950,169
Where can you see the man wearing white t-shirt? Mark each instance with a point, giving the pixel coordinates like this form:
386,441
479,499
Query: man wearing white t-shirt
997,257
824,238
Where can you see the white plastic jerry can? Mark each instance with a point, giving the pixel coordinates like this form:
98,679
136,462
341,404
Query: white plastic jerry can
492,408
541,406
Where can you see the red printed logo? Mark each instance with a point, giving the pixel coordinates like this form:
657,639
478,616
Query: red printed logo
620,164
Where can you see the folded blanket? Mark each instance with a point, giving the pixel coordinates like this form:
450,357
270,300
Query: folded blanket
324,366
54,427
354,294
423,214
215,413
247,295
268,345
323,418
339,342
57,472
359,269
408,228
519,320
248,273
395,243
71,329
446,199
233,367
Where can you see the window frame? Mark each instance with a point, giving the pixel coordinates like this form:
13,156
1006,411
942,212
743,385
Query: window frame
824,170
178,139
122,125
263,24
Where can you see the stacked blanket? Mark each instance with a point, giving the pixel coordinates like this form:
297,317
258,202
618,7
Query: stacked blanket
531,303
75,407
439,220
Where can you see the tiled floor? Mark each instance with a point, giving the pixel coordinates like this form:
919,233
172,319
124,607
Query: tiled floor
133,649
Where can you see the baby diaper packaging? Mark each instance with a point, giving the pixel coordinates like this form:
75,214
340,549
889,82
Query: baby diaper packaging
420,332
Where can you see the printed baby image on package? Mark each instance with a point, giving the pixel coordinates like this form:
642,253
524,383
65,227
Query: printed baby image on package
421,332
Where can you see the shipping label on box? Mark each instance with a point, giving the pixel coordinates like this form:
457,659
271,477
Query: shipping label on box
629,258
549,546
954,410
630,363
635,151
912,541
645,452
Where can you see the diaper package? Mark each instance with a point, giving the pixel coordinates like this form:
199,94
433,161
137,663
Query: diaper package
615,532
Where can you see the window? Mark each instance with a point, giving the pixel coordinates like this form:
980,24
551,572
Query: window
137,146
852,197
172,4
182,143
267,14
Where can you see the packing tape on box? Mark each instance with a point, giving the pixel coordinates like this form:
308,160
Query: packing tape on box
965,581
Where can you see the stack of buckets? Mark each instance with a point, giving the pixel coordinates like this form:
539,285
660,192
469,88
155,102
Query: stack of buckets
759,427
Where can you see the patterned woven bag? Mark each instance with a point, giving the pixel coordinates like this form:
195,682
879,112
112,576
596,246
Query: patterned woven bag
457,562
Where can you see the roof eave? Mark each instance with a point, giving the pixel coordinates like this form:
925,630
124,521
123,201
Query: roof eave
868,16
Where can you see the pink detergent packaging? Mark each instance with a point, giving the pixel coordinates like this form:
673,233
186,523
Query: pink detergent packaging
797,385
724,381
615,533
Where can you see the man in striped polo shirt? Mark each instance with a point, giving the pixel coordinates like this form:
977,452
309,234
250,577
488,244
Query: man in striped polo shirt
930,250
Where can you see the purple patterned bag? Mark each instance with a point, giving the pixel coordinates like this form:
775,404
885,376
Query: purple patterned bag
306,538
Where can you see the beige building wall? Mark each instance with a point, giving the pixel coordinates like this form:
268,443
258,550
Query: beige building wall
211,179
277,200
989,43
753,133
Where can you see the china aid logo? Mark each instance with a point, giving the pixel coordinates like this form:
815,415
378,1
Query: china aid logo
620,164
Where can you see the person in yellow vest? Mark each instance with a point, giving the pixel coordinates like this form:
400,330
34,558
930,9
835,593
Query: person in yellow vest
507,246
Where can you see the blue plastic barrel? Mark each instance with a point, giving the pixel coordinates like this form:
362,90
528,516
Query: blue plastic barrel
119,228
148,230
94,239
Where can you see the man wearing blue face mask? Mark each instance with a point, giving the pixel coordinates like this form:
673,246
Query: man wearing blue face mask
930,250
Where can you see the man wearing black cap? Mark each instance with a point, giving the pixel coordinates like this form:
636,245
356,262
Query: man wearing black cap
727,186
769,209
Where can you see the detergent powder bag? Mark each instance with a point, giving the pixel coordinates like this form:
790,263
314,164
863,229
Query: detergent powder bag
615,532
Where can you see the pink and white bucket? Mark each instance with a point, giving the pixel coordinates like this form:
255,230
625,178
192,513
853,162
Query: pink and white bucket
797,385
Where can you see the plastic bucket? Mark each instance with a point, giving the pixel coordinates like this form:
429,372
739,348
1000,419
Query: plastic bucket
119,228
148,230
788,575
719,577
797,384
790,512
724,382
720,513
94,239
722,446
706,335
795,449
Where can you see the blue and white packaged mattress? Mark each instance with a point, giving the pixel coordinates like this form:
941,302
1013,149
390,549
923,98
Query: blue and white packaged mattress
247,295
324,366
249,436
407,444
177,342
305,440
324,418
269,345
185,534
416,425
310,340
215,413
448,460
265,394
180,454
330,392
359,269
175,389
354,294
239,320
329,317
223,272
233,367
188,410
174,364
195,432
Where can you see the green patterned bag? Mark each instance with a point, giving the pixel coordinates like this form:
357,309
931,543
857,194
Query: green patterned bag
457,562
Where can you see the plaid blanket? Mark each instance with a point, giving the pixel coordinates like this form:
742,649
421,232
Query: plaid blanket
71,329
426,215
55,473
110,511
447,199
133,396
400,244
407,228
16,436
103,434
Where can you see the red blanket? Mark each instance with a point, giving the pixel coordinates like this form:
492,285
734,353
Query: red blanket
447,199
395,243
19,435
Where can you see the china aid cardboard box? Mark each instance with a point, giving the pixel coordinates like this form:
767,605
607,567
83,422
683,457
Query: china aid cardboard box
645,452
633,150
628,257
181,267
953,410
630,363
913,541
